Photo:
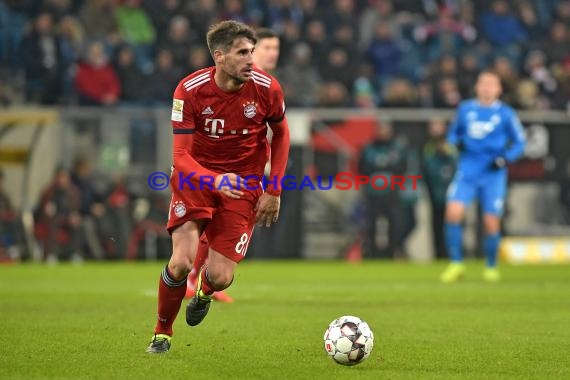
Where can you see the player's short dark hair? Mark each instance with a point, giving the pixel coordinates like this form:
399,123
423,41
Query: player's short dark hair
221,36
263,33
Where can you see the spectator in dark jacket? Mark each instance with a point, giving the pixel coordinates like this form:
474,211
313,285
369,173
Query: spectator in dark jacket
439,160
501,27
129,74
384,52
41,55
164,79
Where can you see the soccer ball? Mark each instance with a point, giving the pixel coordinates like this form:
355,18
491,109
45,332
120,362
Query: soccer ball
348,340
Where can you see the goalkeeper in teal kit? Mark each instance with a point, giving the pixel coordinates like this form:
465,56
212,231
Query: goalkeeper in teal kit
489,135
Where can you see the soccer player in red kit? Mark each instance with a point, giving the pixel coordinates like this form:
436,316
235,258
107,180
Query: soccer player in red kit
265,57
219,117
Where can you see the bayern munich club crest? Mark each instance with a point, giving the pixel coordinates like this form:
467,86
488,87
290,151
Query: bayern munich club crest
179,209
249,109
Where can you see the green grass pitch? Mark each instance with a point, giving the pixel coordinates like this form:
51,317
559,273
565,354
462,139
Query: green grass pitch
95,321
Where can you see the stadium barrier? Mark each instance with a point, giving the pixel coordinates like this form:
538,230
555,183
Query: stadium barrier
136,141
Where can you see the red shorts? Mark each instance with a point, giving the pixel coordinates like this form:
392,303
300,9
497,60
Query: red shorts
230,222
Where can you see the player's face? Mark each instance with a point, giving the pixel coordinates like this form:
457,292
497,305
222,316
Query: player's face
237,62
266,53
488,88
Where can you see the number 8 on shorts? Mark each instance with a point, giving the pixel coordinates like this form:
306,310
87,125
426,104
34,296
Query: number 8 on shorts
241,246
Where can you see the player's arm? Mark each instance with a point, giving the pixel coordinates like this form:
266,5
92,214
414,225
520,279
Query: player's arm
279,154
267,209
183,129
517,142
269,203
280,142
517,138
183,160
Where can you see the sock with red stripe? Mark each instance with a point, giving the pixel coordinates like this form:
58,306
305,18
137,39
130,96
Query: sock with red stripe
170,295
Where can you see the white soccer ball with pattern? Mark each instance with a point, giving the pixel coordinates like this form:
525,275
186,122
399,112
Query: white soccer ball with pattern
348,340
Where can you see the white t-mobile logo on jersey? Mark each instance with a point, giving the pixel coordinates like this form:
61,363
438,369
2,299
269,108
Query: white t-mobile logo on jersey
215,127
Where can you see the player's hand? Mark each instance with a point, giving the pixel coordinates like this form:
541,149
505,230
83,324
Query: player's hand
499,163
228,184
267,209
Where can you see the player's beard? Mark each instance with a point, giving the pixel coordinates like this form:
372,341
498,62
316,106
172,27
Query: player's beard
238,80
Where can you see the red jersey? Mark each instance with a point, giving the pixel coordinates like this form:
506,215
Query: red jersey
229,128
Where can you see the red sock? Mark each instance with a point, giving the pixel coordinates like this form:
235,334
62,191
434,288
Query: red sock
206,285
170,295
201,257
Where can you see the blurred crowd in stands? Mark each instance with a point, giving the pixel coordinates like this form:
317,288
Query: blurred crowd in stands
337,53
81,216
358,53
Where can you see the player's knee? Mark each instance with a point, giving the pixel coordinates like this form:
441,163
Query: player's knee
492,224
222,280
453,214
179,267
227,280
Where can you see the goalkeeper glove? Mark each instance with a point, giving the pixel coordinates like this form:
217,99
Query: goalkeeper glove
499,163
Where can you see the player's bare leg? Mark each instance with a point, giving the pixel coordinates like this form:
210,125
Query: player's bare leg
216,276
492,225
454,214
172,283
201,259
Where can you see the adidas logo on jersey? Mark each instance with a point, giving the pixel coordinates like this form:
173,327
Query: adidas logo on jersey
207,111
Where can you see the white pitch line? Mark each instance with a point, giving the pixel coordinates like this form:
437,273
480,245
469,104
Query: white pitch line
150,293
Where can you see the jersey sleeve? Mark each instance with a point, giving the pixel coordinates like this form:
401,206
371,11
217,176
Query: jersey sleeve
182,117
276,111
516,135
281,141
279,154
183,128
